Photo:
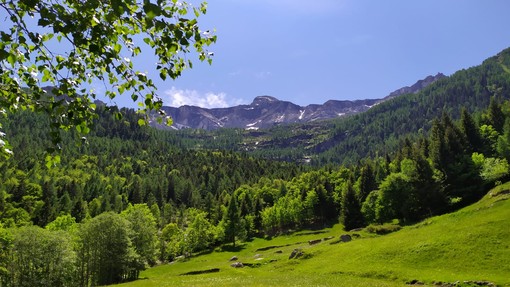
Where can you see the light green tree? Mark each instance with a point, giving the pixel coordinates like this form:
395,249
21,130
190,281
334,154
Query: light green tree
63,223
5,250
172,241
41,257
200,233
311,200
105,253
491,169
144,231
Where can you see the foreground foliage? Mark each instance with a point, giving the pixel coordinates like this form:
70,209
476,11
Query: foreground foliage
72,45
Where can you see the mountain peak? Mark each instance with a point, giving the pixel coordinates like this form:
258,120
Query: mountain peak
266,111
264,100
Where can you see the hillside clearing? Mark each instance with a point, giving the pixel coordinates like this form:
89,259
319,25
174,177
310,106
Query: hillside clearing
472,244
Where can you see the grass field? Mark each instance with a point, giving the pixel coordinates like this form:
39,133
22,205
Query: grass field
472,244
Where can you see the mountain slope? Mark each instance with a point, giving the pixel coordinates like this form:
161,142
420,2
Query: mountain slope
418,86
376,131
472,244
380,129
266,111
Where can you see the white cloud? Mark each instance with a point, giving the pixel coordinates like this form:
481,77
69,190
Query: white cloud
177,97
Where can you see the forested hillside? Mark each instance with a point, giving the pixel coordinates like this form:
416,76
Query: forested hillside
381,128
132,183
377,131
126,197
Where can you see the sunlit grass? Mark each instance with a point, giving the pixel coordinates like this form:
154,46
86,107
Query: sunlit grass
470,244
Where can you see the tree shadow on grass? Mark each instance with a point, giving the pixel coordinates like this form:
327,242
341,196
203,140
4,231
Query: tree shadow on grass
231,248
204,252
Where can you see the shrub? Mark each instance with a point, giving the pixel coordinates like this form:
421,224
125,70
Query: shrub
383,229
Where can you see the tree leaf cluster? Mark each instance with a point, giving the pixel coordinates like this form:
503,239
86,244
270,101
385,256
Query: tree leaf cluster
74,45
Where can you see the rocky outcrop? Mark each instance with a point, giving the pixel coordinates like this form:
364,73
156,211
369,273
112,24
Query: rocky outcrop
295,254
345,238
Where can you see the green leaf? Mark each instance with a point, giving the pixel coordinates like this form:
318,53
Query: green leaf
142,122
94,21
152,10
46,76
169,121
162,75
117,48
85,129
173,47
11,59
52,160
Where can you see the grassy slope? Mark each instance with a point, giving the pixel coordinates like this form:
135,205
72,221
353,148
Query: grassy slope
471,244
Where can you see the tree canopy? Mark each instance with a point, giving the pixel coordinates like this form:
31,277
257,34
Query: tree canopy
70,44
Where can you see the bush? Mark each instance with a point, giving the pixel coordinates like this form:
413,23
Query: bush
383,229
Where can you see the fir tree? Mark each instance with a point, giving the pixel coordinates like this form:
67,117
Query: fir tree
351,209
232,221
367,182
470,130
495,115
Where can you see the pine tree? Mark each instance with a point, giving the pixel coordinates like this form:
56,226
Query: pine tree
367,182
437,149
351,209
232,221
470,130
447,143
495,115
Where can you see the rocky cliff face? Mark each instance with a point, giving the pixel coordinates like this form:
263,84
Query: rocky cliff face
266,111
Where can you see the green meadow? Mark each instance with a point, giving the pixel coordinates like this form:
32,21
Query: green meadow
472,244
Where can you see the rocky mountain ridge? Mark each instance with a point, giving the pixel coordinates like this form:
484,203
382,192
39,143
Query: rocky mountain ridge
267,111
418,86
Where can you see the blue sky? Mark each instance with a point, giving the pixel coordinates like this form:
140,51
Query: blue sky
309,52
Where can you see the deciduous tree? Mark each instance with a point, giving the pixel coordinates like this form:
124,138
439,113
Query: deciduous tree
144,231
71,44
42,258
105,251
